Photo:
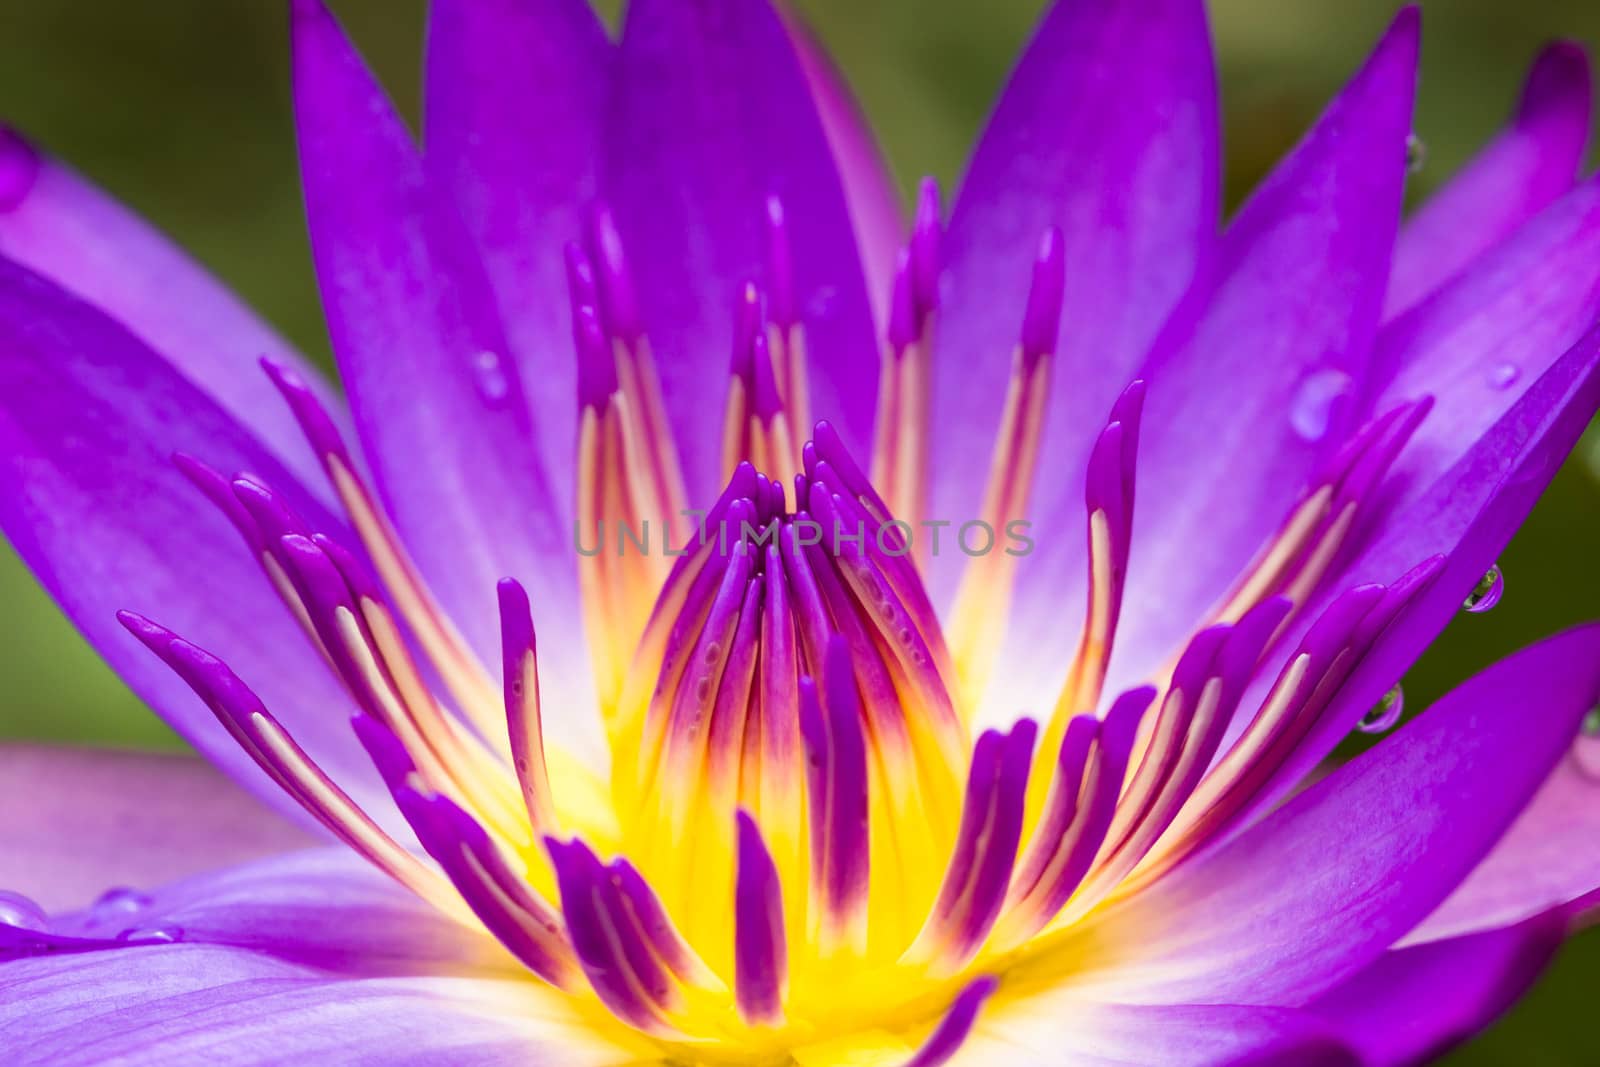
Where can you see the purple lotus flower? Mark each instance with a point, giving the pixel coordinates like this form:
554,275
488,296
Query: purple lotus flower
920,742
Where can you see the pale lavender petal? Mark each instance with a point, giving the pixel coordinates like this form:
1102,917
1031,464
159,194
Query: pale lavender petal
1254,379
1320,888
1133,187
712,116
1413,1004
207,1004
1533,161
1548,859
868,186
1058,1027
436,397
516,94
90,499
79,821
59,225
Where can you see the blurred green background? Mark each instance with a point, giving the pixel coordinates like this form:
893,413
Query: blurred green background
180,107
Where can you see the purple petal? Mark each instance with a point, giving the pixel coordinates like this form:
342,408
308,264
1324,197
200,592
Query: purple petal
1058,1027
89,418
1253,379
1479,343
1133,188
712,116
1467,514
1318,889
73,233
1526,167
868,186
210,1004
516,92
326,908
1413,1004
81,820
1549,858
436,398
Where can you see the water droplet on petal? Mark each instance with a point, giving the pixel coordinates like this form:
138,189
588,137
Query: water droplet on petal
490,374
151,935
21,912
1416,153
121,900
1504,375
1487,593
1312,410
821,304
1384,714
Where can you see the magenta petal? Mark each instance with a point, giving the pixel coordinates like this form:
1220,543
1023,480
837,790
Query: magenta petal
516,93
1133,187
73,233
1413,1004
1533,161
79,821
1255,377
1318,889
712,116
90,499
1549,858
436,397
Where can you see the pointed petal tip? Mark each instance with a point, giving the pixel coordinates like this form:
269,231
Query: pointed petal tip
19,167
1559,79
305,10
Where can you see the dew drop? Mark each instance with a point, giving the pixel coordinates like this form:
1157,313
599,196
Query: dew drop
1416,154
1487,593
1504,375
490,375
1311,412
20,912
121,900
822,303
1384,714
151,935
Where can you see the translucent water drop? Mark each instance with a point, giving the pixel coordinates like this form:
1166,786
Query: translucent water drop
121,900
21,912
1504,375
1416,153
1311,411
490,374
151,935
1487,593
1384,714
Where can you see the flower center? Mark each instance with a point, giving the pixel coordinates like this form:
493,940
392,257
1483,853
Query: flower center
812,846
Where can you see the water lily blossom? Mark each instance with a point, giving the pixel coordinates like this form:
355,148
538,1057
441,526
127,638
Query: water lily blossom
724,622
